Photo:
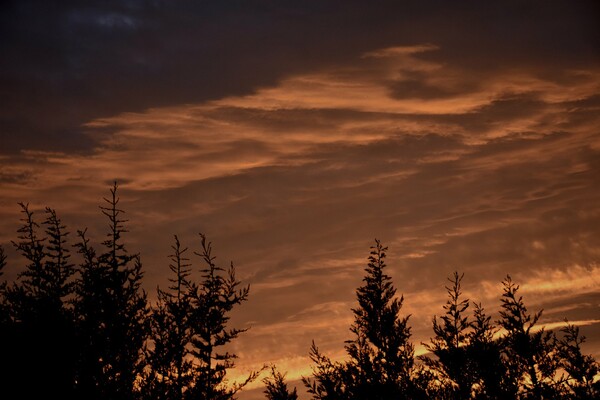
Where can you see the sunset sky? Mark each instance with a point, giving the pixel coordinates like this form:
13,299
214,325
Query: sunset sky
464,135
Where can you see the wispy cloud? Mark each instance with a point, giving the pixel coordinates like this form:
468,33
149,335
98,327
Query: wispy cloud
488,175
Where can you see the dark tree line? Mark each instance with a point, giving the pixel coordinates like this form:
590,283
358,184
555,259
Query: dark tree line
86,330
470,357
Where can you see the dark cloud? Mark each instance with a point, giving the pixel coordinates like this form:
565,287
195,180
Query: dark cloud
67,63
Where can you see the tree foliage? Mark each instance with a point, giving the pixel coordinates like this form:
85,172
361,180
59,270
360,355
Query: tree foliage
112,311
484,354
189,329
469,357
452,365
85,329
381,357
581,370
212,301
39,301
529,354
169,370
276,388
4,307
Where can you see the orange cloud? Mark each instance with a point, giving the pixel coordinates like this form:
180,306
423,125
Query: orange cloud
489,174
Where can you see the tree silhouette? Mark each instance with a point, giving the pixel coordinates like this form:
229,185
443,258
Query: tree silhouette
276,388
87,332
581,369
38,321
170,369
112,313
212,300
529,355
86,337
4,307
329,378
484,352
452,365
381,363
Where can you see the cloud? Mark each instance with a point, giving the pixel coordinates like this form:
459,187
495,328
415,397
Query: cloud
485,163
67,64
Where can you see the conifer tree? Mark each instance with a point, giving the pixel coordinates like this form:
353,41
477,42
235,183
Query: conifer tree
581,369
212,301
112,312
58,266
5,313
329,378
170,371
381,364
4,308
529,355
31,288
276,388
452,365
74,333
39,321
59,322
484,353
3,258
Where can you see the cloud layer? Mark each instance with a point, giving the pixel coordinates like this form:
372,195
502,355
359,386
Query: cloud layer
292,158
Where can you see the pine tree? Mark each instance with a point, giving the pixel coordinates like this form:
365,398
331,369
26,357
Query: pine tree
212,301
580,369
452,365
529,355
170,371
58,267
4,307
59,321
276,388
39,321
381,364
112,312
5,312
484,353
3,258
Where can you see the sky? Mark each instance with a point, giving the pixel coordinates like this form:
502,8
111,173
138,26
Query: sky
463,135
